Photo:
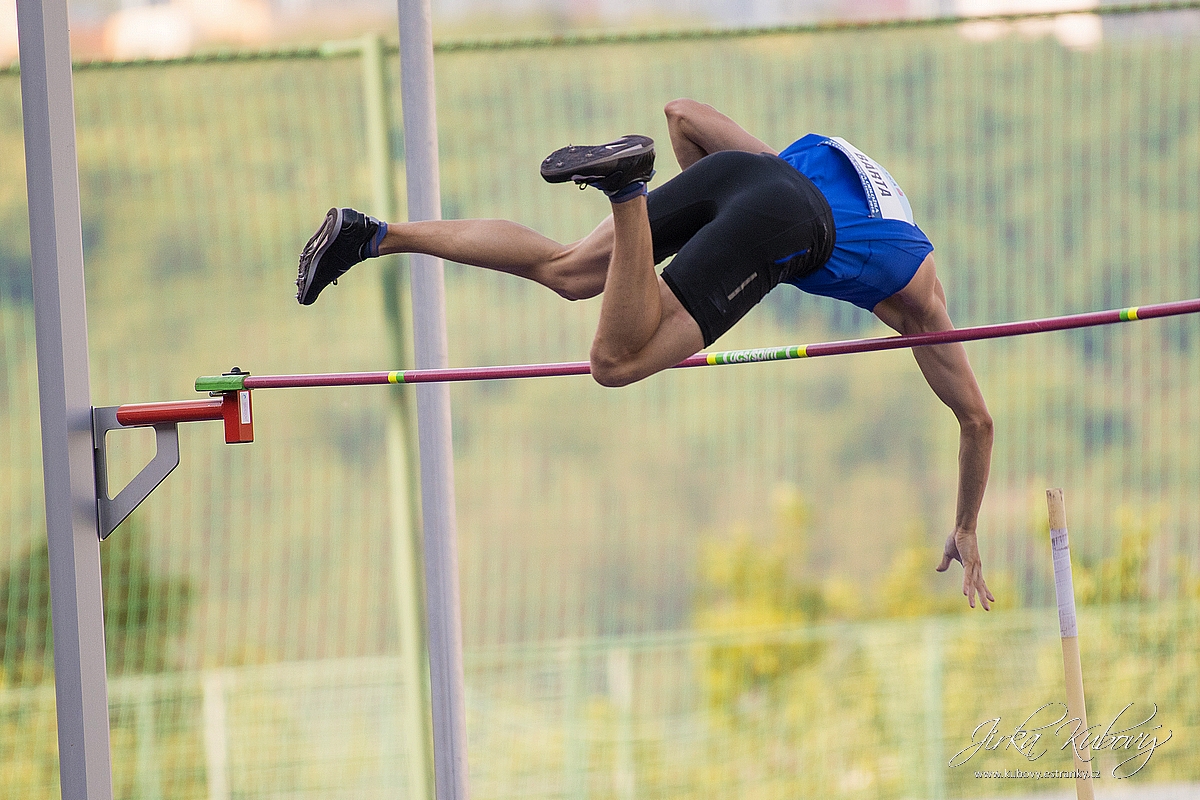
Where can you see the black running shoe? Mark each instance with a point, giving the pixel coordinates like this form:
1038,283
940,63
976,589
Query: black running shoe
609,167
345,238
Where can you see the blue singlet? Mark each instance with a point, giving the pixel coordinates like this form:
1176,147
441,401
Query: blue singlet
873,257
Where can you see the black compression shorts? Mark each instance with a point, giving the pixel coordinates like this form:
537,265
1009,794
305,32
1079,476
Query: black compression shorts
738,225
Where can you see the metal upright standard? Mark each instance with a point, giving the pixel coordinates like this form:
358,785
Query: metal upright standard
72,525
442,608
402,450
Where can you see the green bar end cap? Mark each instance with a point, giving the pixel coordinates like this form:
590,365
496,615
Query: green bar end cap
233,381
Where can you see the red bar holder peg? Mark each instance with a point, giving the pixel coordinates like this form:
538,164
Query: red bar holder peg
238,412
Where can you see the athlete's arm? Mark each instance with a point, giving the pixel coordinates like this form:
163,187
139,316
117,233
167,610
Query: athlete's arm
697,129
918,308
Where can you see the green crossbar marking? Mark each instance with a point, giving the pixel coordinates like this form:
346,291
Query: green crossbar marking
751,356
221,383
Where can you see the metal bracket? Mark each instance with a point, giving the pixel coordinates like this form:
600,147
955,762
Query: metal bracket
114,510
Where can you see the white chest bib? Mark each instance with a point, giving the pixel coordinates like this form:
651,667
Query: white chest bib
884,195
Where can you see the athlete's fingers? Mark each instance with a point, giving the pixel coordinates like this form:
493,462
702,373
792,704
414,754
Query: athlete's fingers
979,587
985,594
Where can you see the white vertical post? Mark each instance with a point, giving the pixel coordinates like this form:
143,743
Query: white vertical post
216,736
60,312
1064,590
620,693
433,410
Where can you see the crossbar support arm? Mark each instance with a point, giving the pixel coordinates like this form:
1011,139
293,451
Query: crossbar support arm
232,408
115,510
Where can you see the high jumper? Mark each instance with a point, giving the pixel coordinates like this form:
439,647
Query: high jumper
740,219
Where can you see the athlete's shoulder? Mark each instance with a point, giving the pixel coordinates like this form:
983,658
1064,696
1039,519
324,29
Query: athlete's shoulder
805,142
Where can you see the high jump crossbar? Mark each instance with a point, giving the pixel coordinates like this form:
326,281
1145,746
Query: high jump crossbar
230,399
237,382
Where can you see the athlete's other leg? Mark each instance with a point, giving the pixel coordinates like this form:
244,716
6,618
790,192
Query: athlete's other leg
347,237
576,271
643,328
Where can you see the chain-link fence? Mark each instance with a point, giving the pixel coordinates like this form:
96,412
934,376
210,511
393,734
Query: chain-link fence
678,589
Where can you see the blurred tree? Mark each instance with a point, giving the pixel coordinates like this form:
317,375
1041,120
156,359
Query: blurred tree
911,588
1120,578
16,272
143,610
749,584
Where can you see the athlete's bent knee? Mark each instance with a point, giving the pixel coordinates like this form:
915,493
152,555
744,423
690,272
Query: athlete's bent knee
576,289
610,371
568,281
573,275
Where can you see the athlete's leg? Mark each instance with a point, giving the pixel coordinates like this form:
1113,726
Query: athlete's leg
576,271
738,224
643,328
347,237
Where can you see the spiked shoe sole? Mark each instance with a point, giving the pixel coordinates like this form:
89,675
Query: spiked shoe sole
310,257
622,160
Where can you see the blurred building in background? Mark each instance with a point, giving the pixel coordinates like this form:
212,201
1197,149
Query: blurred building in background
123,29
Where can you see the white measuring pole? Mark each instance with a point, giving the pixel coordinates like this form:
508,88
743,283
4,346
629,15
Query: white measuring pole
443,614
1060,547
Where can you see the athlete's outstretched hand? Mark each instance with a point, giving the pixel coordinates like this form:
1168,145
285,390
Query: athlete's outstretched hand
962,547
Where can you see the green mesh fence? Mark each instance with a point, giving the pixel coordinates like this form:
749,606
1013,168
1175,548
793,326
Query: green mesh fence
716,583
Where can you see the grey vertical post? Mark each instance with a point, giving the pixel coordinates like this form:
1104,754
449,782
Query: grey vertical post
433,410
406,556
72,525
